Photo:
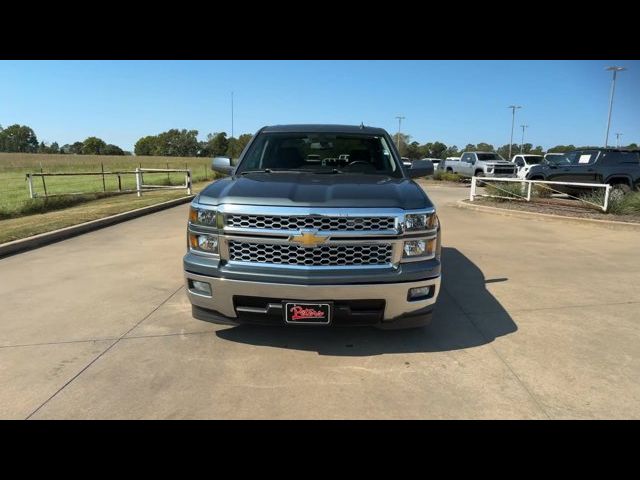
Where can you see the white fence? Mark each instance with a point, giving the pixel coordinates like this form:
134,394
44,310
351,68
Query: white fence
138,172
529,183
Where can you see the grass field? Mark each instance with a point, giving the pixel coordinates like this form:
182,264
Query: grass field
14,190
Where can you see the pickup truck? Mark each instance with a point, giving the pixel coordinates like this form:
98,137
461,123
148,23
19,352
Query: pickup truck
620,168
481,164
344,241
525,161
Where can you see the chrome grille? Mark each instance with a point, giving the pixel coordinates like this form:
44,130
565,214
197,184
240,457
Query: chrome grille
322,255
277,222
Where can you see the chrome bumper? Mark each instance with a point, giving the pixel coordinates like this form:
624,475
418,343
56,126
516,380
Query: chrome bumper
394,294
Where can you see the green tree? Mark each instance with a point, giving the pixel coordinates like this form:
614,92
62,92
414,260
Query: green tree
437,150
18,138
404,142
503,151
93,146
412,151
54,148
112,150
76,148
484,147
178,143
147,146
237,145
216,145
537,151
452,151
172,143
562,148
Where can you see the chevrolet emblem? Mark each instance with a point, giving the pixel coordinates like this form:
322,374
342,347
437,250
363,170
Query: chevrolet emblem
308,239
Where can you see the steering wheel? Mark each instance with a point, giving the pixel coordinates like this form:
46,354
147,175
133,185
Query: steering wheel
359,162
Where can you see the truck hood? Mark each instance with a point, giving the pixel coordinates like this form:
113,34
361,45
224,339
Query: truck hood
318,190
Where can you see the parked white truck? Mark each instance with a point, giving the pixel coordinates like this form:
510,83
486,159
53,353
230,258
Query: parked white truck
481,164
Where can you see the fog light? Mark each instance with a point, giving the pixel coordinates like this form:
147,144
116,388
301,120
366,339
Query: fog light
203,288
419,293
414,248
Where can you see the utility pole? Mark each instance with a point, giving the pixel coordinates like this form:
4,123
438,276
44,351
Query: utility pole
400,118
513,119
618,135
522,143
231,114
615,71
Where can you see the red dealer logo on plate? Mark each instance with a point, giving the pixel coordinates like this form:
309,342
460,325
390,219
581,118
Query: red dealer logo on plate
300,313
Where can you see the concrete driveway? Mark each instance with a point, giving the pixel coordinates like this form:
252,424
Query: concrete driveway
535,320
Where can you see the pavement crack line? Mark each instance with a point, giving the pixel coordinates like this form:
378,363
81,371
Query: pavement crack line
103,352
490,344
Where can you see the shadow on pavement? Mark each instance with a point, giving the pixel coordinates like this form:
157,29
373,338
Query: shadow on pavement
463,291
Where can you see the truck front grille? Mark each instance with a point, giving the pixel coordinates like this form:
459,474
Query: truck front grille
504,170
322,255
277,222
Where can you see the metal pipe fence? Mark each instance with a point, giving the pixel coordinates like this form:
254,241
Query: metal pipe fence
139,178
527,184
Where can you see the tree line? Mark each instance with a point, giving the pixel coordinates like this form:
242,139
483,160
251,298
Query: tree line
185,143
22,139
414,150
172,143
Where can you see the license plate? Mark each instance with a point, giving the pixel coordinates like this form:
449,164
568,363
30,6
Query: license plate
307,313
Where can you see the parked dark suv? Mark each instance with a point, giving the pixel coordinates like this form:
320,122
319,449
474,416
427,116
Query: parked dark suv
619,168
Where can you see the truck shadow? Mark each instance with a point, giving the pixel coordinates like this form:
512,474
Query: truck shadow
466,315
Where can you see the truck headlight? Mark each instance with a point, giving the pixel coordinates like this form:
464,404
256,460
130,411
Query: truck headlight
419,248
203,242
419,221
202,216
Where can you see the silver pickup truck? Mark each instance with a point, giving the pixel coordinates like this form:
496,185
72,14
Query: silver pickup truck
481,164
286,239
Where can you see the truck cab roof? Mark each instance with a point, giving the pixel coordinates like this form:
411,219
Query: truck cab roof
323,128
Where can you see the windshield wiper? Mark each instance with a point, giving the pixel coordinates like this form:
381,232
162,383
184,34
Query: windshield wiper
266,170
327,172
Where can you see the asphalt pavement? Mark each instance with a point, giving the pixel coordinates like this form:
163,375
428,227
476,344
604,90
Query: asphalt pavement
536,319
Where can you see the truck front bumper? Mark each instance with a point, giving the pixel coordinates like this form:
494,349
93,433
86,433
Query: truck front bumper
398,310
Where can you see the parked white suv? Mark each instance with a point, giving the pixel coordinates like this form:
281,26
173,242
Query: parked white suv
481,164
525,161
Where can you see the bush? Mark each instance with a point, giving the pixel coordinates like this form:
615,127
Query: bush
541,191
626,205
439,175
504,189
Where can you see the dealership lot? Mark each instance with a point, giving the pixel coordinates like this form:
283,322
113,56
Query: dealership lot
536,319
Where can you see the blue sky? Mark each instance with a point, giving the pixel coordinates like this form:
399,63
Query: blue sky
456,102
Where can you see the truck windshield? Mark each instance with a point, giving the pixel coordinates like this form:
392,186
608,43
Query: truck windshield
489,156
320,153
533,160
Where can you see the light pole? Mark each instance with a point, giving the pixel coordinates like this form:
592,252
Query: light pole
231,114
615,71
400,118
618,135
513,119
522,143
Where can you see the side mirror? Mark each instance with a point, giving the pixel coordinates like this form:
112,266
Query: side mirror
420,168
222,165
